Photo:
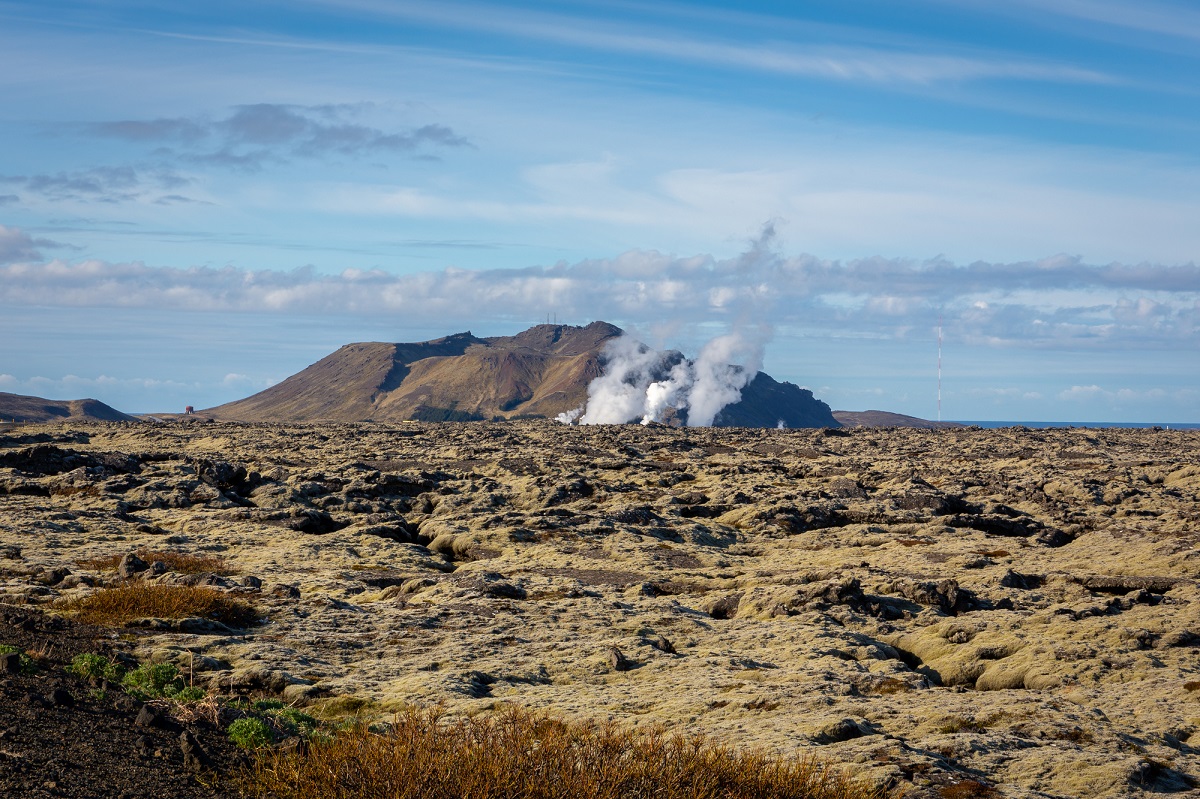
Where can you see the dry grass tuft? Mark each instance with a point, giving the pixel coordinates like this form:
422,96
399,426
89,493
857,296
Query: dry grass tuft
518,755
968,789
1192,685
889,685
136,600
180,562
954,724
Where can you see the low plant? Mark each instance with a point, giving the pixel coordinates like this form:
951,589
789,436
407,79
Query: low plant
97,668
890,685
153,681
519,755
190,693
282,720
180,562
137,600
249,732
967,789
953,724
160,681
293,721
27,665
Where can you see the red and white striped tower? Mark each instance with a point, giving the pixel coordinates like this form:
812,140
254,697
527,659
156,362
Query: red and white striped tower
939,415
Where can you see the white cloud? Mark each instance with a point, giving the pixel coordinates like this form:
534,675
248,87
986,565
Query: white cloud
1147,16
1127,396
813,59
1057,302
17,245
76,386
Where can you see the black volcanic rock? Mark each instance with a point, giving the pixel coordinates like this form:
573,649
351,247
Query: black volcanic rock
766,402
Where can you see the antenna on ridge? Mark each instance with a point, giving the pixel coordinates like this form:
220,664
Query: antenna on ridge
939,393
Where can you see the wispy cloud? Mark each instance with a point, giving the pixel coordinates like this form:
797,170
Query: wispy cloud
1126,396
103,184
1164,19
18,246
839,63
74,386
254,135
1057,302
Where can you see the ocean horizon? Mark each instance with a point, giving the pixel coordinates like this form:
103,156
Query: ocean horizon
1164,425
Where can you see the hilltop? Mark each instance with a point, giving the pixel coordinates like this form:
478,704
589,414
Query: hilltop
24,408
539,373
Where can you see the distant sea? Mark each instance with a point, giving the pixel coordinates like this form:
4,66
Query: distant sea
1165,425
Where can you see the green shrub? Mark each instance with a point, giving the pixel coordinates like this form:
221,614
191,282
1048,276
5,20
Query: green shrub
192,693
265,705
160,681
293,721
95,667
153,681
250,733
27,666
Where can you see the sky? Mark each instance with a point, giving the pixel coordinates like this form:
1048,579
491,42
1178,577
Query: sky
200,199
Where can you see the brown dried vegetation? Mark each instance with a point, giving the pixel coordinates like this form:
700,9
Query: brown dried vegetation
136,600
967,789
180,562
518,755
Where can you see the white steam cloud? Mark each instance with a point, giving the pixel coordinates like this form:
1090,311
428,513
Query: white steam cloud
641,383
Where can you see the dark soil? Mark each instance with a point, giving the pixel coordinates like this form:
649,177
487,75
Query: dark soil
62,736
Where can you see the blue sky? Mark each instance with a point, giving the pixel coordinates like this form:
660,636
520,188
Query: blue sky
197,200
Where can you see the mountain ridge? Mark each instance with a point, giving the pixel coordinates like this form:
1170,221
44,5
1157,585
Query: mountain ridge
30,409
541,372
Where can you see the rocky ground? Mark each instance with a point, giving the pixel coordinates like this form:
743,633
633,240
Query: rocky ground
61,736
942,610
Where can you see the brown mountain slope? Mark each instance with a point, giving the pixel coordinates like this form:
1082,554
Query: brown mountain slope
888,419
23,408
343,386
543,371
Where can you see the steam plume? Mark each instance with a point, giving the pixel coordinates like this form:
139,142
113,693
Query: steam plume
639,382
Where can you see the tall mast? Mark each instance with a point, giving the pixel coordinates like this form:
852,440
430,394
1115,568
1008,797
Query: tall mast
939,396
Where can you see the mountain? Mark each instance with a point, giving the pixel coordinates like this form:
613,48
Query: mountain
541,372
22,408
766,402
888,419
